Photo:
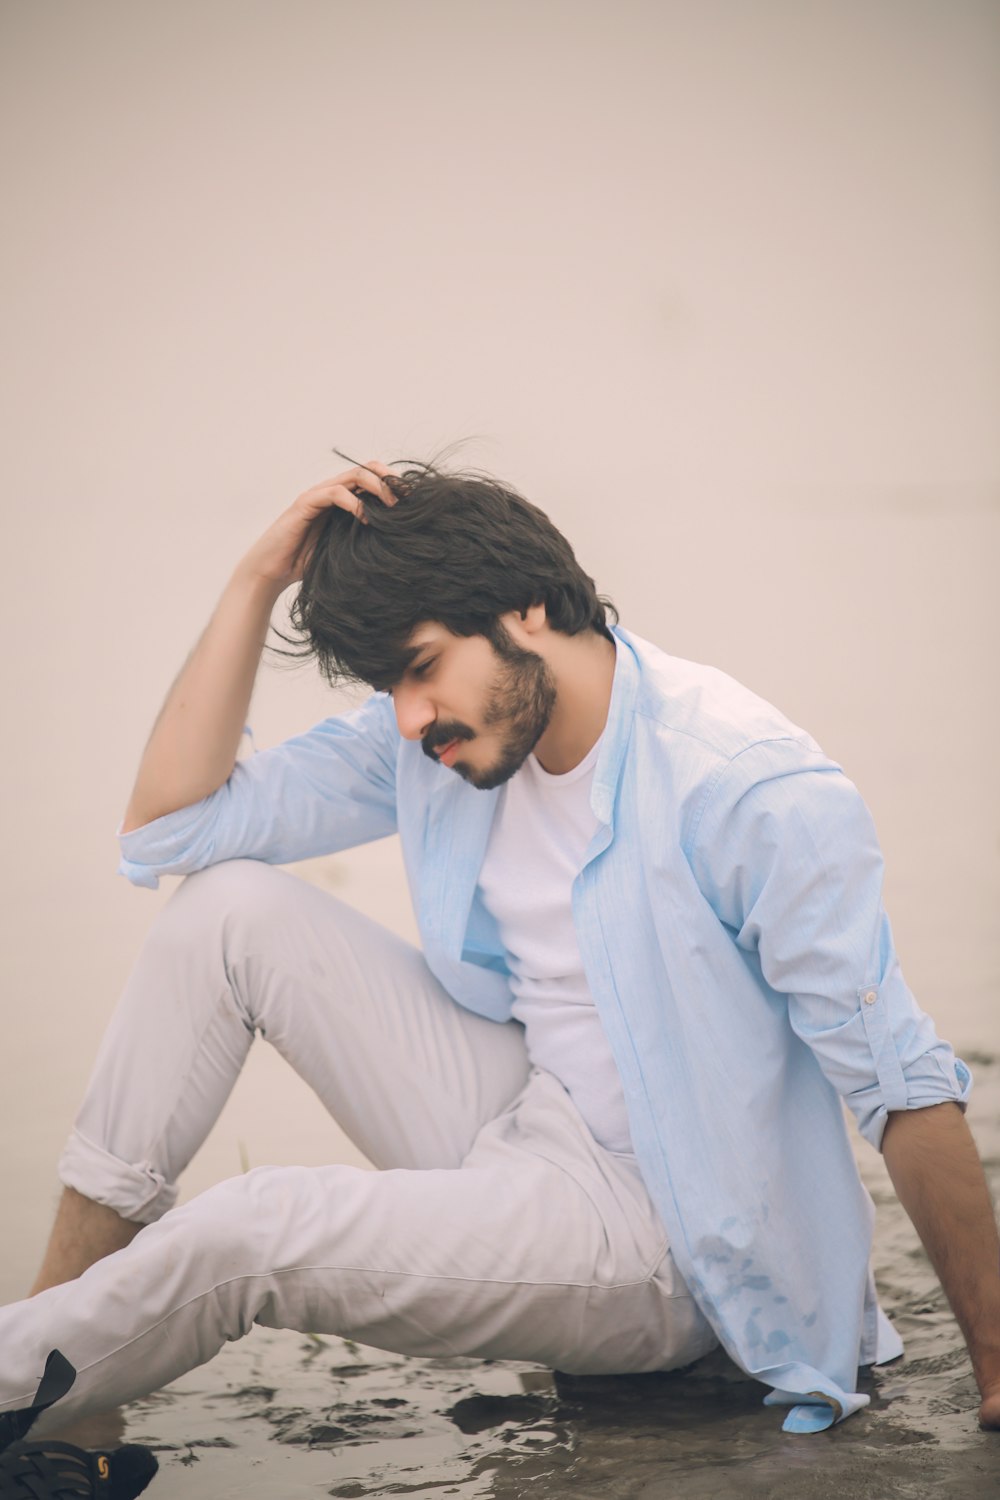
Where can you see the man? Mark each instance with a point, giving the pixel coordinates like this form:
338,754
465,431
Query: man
657,905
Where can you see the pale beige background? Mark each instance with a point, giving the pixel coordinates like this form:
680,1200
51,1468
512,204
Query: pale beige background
714,283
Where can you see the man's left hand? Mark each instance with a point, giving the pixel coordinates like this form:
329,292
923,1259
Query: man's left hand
989,1410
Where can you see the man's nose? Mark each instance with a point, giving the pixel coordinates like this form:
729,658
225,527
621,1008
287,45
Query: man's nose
414,712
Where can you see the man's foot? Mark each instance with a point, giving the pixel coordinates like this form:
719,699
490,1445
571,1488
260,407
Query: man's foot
57,1378
58,1471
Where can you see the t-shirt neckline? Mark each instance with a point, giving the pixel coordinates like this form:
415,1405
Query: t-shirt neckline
566,778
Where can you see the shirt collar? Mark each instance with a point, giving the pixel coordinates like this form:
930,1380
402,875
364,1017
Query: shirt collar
624,693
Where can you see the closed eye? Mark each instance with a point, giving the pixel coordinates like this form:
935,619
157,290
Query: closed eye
419,671
422,669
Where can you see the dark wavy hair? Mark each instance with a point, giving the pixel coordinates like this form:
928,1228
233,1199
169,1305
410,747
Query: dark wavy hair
457,548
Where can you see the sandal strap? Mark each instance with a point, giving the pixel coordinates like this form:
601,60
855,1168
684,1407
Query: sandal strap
57,1378
52,1471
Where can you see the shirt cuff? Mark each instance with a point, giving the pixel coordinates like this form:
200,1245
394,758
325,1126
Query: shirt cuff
165,846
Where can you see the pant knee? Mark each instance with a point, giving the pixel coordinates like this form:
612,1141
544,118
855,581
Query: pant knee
221,911
233,888
224,1232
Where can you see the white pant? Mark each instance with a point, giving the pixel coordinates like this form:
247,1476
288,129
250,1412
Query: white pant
497,1226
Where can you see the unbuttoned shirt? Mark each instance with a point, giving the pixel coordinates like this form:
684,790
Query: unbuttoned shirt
730,918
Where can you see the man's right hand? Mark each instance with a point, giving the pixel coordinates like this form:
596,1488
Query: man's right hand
281,554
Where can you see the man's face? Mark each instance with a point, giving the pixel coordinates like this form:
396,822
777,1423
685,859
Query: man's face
476,706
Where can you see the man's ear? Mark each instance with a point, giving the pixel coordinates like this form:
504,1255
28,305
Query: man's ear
524,623
534,618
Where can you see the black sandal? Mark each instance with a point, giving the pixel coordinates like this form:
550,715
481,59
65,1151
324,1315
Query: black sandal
59,1471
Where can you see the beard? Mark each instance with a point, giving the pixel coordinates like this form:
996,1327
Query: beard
519,707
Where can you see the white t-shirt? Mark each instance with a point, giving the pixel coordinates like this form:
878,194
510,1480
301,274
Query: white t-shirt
541,831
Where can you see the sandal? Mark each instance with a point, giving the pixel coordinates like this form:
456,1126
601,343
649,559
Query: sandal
59,1471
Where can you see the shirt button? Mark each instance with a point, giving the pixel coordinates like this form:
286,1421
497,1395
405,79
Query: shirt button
869,997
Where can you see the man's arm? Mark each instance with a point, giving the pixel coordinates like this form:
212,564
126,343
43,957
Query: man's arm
796,871
192,748
939,1180
193,745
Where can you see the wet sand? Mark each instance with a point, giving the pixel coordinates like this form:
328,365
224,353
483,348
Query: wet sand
283,1415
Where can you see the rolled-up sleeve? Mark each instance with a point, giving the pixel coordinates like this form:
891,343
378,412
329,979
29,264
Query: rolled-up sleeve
787,854
325,790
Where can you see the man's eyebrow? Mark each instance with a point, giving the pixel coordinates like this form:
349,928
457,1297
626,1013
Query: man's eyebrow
408,659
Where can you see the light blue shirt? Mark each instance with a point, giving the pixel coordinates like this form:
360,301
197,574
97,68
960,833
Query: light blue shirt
730,920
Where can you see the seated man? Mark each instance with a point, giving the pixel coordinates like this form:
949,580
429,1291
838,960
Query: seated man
605,1098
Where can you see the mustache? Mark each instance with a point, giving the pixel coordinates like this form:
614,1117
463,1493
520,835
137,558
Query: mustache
440,735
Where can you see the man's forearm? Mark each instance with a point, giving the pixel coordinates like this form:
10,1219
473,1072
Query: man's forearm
937,1174
193,745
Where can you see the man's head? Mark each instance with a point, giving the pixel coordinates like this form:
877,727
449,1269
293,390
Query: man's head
441,599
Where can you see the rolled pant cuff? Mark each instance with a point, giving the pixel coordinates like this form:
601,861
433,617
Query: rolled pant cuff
136,1191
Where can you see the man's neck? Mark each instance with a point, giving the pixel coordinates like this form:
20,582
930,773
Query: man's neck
584,668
